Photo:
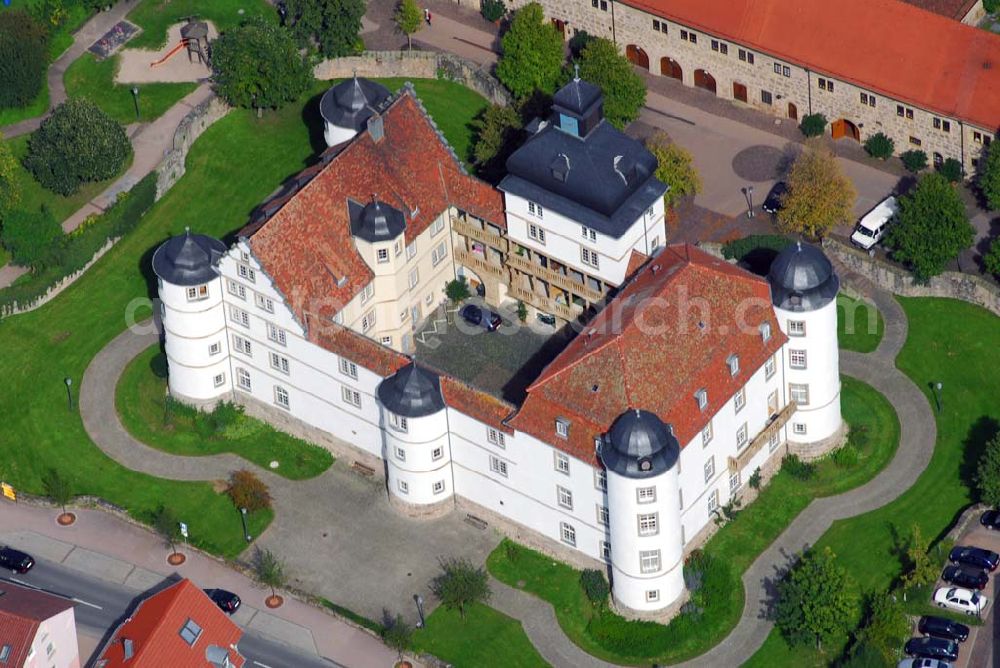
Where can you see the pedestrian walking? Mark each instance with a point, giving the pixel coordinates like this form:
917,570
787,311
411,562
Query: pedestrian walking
427,16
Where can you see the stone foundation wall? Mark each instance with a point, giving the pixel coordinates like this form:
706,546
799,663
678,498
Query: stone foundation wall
808,452
421,512
199,119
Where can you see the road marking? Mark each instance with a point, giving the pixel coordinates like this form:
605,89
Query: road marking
87,603
262,665
26,584
72,598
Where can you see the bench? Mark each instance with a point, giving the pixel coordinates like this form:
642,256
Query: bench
363,469
480,524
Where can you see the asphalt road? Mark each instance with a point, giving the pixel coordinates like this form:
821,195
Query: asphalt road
101,606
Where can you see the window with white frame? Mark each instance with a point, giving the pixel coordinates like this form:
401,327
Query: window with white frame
740,399
414,278
197,292
799,393
437,225
215,348
438,487
281,396
603,518
397,248
495,436
382,255
439,253
797,359
400,453
565,497
653,595
398,422
605,550
769,367
649,561
246,272
386,341
348,368
707,434
772,441
741,436
411,250
264,302
404,315
765,331
498,466
589,258
351,396
799,428
710,469
276,334
733,362
562,463
601,480
535,210
279,362
645,494
796,328
536,233
746,56
701,396
713,501
367,293
242,345
437,453
243,378
649,524
368,321
734,482
562,427
403,486
239,316
236,289
219,380
567,533
588,234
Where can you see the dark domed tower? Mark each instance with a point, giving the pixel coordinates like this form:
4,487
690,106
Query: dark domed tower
346,108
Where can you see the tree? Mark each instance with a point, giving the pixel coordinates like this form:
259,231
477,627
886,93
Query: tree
624,90
675,167
816,599
256,65
57,488
33,238
819,196
167,524
408,19
461,584
914,160
76,144
10,185
24,57
332,26
951,169
813,125
268,569
991,261
884,632
248,491
880,145
498,133
932,227
397,634
988,473
531,53
989,175
920,568
457,290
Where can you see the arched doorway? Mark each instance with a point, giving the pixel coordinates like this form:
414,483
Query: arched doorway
844,128
671,68
703,79
739,91
637,56
793,112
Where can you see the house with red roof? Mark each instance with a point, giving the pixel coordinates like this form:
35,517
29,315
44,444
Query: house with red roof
180,627
37,629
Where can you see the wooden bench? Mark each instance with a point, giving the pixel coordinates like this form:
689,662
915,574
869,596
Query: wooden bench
363,469
480,524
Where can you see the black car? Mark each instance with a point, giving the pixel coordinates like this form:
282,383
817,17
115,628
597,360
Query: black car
932,648
990,519
15,560
967,578
974,556
772,203
939,627
480,317
226,600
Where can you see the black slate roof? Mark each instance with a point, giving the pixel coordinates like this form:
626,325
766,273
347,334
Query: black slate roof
188,259
375,221
639,445
802,278
578,97
352,102
412,391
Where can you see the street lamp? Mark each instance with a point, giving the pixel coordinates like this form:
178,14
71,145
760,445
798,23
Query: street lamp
69,392
243,518
748,193
135,98
419,600
937,395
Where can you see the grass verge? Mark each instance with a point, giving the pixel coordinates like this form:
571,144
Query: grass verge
855,330
485,637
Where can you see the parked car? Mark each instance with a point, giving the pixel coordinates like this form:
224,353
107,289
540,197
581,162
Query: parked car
923,662
772,203
990,519
480,317
932,648
226,600
15,560
967,578
943,628
960,600
872,226
974,556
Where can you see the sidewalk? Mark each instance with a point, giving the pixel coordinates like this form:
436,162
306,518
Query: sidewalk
111,549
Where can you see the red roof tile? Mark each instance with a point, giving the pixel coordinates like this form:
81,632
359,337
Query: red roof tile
476,404
953,9
356,347
635,261
664,337
154,629
307,247
883,45
22,609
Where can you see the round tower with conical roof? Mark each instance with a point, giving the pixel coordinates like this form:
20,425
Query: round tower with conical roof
417,446
194,322
804,291
640,454
346,108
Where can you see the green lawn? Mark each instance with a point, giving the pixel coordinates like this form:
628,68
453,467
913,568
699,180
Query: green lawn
37,107
140,398
855,330
155,16
956,344
484,638
737,544
95,80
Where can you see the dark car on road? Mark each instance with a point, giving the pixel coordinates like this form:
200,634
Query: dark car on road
974,556
990,519
226,600
932,648
15,560
772,203
480,317
939,627
968,578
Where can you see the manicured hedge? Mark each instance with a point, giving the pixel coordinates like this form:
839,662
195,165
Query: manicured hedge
24,56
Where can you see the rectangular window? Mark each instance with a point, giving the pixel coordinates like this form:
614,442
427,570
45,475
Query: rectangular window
567,534
605,550
439,253
706,434
536,233
219,380
565,497
741,436
915,141
414,278
701,396
263,302
367,293
438,487
746,56
276,334
734,482
246,272
710,469
713,501
588,233
765,331
536,210
799,427
243,379
733,362
348,368
197,293
797,359
403,486
977,137
215,348
495,436
645,495
437,453
239,316
740,399
411,251
279,362
281,396
237,289
868,99
562,463
589,258
602,515
769,367
382,255
684,35
398,422
604,5
352,397
796,328
765,97
368,321
826,84
386,341
601,480
562,427
652,596
190,632
799,393
437,225
498,466
242,345
649,524
400,453
649,561
772,441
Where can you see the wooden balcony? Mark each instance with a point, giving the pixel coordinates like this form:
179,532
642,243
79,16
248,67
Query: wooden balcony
522,263
738,462
470,230
543,303
478,263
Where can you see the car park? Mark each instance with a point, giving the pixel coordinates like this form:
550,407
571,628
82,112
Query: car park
932,648
967,578
480,317
772,203
960,600
227,601
990,519
15,560
872,226
940,627
923,662
974,556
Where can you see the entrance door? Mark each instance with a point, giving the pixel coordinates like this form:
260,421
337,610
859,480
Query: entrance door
739,92
844,128
671,68
793,112
703,79
637,56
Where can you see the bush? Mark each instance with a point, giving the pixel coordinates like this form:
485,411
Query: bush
594,585
76,144
34,239
914,160
457,290
813,125
258,65
951,169
24,57
493,10
991,261
880,146
797,468
755,479
846,456
248,491
578,42
991,6
738,249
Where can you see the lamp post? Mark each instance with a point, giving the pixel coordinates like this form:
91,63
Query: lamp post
419,600
937,395
243,518
748,193
135,98
69,392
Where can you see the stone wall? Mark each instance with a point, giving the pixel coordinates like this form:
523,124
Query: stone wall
58,286
416,65
199,119
967,287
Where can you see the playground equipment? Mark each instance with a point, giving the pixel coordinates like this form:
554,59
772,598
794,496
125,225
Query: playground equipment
194,36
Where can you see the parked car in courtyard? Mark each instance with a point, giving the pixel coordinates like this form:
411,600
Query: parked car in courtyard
772,203
15,560
227,601
943,628
932,648
960,600
872,226
990,519
923,662
967,578
480,317
974,556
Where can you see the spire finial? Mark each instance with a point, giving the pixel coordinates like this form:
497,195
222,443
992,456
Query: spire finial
576,71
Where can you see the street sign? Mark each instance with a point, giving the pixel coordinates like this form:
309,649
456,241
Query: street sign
184,530
8,491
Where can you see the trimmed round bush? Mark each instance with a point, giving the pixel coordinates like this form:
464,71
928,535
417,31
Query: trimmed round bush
813,125
24,47
951,169
76,144
493,10
880,146
914,160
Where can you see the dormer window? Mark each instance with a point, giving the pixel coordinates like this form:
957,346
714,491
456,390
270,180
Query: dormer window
765,331
382,255
562,427
190,632
701,396
733,362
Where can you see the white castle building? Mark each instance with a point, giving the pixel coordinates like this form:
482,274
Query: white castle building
689,374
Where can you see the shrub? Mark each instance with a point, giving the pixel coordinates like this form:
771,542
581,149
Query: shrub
34,239
457,290
226,414
248,491
578,42
951,169
24,57
738,249
859,437
880,146
76,144
493,10
991,6
594,585
797,468
813,125
991,261
846,456
396,634
522,311
755,479
914,160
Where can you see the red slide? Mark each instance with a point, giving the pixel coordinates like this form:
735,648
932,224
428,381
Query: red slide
172,51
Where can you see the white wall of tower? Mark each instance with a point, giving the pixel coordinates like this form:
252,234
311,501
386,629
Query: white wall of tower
335,134
195,340
418,460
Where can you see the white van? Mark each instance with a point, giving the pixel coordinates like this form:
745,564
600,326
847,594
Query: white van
872,226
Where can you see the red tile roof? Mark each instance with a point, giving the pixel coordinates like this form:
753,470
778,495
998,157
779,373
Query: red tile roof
953,9
22,610
356,347
676,323
154,629
307,247
883,45
476,404
635,261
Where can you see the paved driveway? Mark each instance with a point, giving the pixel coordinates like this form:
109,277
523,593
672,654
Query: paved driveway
977,652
